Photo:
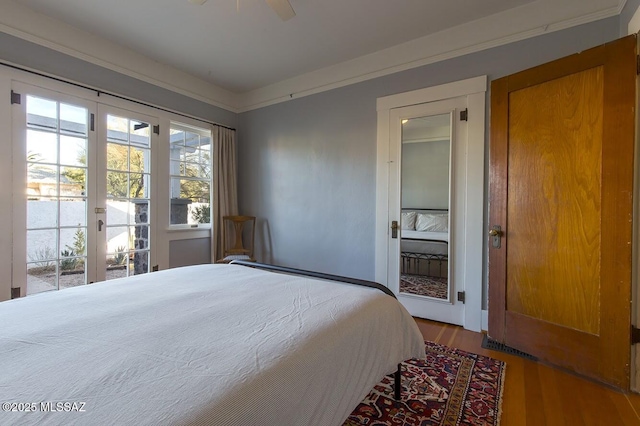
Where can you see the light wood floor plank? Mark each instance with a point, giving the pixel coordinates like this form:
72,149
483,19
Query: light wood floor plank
595,395
551,398
627,413
514,407
634,400
534,399
570,394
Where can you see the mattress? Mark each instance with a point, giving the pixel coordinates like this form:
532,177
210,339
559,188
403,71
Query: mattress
424,242
207,344
424,235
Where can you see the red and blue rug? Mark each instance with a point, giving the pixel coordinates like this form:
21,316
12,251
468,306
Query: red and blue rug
449,387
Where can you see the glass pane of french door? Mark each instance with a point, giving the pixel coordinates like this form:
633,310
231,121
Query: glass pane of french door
56,150
128,195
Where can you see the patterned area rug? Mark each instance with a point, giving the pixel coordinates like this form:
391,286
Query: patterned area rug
450,387
424,286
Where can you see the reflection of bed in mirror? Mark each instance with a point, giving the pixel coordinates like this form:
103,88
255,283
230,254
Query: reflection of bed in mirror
424,249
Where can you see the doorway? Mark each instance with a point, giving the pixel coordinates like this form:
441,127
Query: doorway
436,276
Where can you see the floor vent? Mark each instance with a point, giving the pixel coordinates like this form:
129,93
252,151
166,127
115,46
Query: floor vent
501,347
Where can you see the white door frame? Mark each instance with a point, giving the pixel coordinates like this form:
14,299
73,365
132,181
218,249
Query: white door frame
472,238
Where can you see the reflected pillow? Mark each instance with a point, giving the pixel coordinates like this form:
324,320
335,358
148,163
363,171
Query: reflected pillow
409,220
432,222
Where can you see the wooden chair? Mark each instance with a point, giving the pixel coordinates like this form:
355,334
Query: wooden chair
238,251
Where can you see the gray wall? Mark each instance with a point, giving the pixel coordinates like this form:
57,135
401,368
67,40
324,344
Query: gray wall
308,166
195,251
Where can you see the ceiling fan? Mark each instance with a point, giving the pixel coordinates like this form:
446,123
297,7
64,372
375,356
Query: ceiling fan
281,7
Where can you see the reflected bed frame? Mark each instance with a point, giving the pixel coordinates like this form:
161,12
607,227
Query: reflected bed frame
407,258
397,376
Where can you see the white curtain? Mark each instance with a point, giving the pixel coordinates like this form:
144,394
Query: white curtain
225,186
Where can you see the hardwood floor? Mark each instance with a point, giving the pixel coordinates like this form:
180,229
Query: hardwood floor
536,394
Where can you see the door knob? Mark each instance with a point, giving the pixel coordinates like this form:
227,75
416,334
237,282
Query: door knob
495,232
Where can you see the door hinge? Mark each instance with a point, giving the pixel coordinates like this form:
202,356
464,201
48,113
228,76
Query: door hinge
15,292
637,64
156,129
15,98
154,268
464,115
93,122
635,335
461,296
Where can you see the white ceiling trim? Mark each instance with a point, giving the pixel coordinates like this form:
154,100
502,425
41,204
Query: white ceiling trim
489,32
22,22
512,25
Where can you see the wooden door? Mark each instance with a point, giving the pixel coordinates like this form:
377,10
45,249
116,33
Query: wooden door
561,181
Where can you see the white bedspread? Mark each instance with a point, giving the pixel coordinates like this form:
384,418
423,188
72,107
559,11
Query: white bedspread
208,344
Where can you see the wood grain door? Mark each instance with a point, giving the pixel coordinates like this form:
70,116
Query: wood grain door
561,181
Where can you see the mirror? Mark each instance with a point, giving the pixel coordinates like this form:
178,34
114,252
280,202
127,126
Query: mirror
425,201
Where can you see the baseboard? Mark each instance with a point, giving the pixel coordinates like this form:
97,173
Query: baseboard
485,320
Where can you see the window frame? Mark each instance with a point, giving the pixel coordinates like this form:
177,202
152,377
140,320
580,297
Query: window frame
202,132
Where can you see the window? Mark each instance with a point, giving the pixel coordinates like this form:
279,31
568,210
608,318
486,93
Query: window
190,171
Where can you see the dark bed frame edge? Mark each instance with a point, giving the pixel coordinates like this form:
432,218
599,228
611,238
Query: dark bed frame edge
314,274
397,376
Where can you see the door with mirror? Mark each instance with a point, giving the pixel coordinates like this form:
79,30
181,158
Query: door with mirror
423,178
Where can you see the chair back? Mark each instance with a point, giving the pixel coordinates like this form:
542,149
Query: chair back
233,230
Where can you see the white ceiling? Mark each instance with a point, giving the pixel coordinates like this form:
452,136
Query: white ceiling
249,57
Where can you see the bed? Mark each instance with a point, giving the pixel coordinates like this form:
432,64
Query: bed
207,344
424,244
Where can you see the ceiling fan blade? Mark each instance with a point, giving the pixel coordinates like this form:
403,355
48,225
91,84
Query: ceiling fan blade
282,8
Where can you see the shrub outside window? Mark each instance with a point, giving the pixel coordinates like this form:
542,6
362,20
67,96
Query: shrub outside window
190,171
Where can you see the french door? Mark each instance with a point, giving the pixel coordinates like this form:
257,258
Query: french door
124,216
82,194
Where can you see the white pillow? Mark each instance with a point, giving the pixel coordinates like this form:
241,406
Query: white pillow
409,220
432,222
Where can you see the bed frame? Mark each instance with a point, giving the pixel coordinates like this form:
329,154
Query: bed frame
409,258
397,376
